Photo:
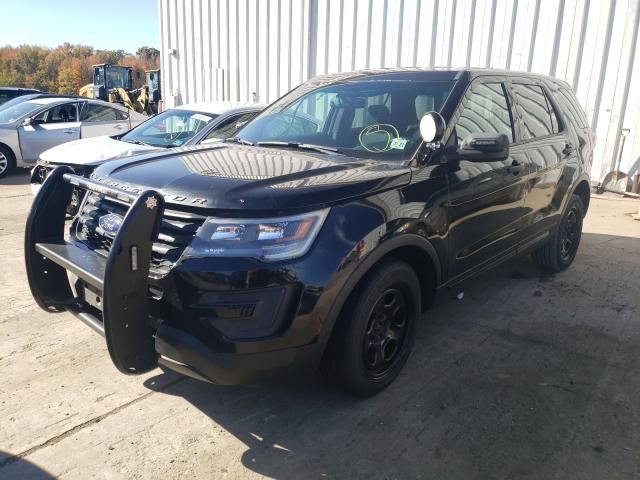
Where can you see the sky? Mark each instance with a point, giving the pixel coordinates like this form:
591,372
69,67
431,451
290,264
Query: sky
104,25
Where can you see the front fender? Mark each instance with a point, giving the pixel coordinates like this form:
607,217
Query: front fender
340,291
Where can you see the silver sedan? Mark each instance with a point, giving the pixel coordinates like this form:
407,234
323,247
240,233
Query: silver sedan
29,128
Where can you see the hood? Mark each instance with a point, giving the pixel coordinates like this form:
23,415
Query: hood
92,151
236,177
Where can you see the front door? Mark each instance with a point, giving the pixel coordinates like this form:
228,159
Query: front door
486,203
52,127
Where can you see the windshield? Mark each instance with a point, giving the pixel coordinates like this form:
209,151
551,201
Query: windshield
16,111
117,77
171,128
373,119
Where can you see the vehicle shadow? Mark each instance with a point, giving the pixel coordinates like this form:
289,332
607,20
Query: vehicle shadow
19,176
15,468
515,380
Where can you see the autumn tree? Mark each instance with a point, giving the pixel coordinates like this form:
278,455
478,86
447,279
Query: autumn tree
65,69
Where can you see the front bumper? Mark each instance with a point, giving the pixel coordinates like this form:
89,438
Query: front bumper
120,287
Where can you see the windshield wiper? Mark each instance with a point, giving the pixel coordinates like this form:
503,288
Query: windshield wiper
137,142
239,140
301,146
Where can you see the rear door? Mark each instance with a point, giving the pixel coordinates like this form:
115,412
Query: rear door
486,203
549,148
97,119
54,126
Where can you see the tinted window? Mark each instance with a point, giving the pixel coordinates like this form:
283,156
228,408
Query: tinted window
574,108
58,114
230,126
121,114
487,110
99,113
538,117
6,96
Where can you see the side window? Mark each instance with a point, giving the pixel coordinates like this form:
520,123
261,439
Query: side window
538,117
574,107
487,110
64,113
230,126
121,114
98,113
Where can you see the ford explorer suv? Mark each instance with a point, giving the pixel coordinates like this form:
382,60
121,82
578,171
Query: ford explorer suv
321,232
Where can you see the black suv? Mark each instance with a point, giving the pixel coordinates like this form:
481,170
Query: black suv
323,230
9,93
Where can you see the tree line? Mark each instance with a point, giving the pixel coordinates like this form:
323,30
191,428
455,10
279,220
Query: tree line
65,69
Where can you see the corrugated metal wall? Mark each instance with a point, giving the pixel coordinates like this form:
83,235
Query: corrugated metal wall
245,49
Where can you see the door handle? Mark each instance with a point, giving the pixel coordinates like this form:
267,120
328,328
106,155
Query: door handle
568,149
515,168
119,127
69,131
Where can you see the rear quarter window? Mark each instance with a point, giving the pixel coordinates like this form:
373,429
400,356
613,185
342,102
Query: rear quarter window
573,108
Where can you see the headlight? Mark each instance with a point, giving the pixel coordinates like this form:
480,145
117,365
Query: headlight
266,239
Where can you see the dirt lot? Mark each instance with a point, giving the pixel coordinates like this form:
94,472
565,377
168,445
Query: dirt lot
529,376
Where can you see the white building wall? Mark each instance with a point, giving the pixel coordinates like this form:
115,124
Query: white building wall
259,49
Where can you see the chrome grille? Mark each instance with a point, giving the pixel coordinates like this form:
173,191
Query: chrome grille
176,232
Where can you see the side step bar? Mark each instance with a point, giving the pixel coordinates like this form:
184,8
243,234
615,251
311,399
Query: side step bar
122,278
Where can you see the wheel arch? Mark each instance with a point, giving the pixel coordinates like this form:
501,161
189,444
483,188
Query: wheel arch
582,188
414,250
12,154
11,157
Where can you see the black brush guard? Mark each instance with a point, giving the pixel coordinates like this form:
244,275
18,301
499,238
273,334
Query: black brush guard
122,279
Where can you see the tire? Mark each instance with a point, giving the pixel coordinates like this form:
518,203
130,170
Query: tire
560,250
375,332
7,161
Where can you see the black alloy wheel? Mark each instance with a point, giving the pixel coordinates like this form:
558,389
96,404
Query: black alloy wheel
374,334
386,332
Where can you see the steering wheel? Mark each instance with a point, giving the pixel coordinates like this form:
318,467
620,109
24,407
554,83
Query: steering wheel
377,137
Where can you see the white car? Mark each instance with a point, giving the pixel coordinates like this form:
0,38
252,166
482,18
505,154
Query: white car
184,125
29,128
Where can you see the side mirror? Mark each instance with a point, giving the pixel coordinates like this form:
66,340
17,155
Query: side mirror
432,127
484,147
27,121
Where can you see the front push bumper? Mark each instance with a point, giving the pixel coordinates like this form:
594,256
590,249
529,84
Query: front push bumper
121,283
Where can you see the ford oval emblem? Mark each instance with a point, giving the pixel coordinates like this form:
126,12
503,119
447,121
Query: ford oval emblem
110,224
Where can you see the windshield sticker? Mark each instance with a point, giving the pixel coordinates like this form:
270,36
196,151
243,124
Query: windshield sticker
201,117
398,143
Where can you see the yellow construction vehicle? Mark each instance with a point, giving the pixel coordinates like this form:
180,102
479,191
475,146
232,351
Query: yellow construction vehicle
114,83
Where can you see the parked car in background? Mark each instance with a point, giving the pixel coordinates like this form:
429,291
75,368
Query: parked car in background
320,233
29,128
9,93
184,125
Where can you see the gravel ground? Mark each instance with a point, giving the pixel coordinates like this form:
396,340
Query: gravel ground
528,376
